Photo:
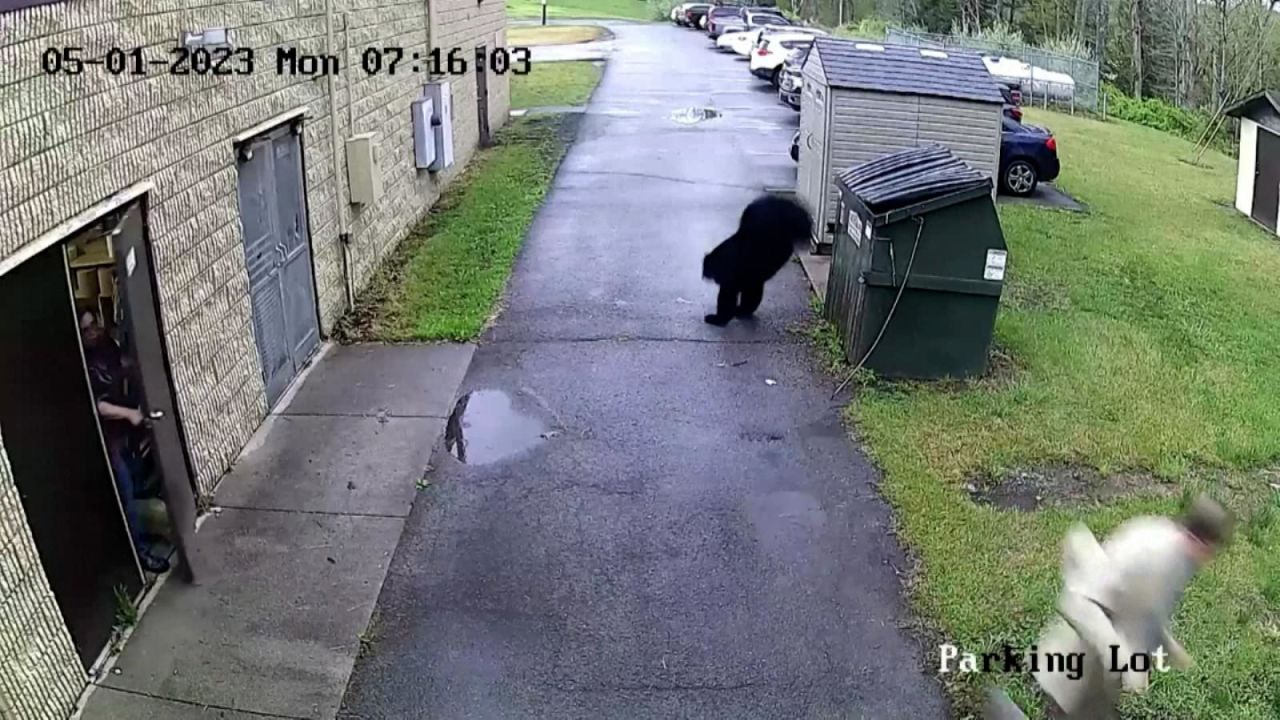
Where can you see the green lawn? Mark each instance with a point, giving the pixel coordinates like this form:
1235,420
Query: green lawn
537,35
1146,337
555,83
618,9
444,281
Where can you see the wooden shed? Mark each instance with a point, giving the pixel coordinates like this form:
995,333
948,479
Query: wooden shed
1258,175
863,100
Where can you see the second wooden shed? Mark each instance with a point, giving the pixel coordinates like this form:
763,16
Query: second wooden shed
862,100
1258,177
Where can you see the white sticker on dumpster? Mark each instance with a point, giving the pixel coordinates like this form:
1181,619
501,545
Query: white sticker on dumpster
995,265
855,228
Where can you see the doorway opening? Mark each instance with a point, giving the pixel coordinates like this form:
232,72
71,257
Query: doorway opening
88,424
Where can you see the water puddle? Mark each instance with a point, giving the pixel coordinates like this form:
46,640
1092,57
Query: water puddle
691,115
485,427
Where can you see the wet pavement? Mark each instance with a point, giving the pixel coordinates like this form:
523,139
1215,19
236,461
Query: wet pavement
634,514
595,50
1046,195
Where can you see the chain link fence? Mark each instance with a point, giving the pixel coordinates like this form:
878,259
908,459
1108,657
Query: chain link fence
1041,79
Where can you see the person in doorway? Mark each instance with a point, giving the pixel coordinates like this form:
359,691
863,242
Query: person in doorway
1117,601
120,417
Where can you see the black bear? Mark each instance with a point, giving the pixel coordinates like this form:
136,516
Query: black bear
770,229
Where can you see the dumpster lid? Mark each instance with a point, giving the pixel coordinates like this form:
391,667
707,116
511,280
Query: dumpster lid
911,177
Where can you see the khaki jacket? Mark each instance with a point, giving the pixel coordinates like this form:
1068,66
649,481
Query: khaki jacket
1122,594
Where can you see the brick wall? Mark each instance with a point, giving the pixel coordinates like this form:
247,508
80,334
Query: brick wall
67,143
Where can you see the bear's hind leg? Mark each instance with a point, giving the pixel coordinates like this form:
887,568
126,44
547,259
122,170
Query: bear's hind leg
751,297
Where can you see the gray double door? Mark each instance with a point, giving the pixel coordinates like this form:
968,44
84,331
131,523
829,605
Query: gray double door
277,247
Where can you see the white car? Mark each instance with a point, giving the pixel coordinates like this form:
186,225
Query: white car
739,42
767,60
772,30
746,41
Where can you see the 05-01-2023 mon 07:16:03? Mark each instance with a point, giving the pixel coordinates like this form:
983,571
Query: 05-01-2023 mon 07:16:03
283,61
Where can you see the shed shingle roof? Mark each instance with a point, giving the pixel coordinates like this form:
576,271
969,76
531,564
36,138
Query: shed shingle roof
1250,106
903,69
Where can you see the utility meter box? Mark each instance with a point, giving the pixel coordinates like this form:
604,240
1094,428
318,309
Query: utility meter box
424,136
441,123
364,176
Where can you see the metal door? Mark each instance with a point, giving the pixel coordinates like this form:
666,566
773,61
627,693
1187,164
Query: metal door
137,287
482,95
56,454
273,215
1266,183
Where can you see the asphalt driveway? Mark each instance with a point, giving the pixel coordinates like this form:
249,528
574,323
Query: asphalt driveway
637,515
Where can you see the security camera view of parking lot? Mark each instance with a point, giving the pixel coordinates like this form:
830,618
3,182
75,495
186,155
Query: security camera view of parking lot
640,359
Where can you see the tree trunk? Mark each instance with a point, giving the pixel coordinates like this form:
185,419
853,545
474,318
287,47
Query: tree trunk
1220,57
1135,18
971,15
1103,32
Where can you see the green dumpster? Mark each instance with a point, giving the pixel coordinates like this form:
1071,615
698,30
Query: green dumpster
917,265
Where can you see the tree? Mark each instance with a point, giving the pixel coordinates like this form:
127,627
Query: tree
1135,21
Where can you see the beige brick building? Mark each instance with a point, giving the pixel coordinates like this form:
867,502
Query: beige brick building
170,148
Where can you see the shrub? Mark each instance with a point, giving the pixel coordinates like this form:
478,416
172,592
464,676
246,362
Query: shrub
1068,45
869,28
1000,35
1158,114
661,9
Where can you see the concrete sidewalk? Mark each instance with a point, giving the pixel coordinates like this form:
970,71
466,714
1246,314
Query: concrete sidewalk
306,523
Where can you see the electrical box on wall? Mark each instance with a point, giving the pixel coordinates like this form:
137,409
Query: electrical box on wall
441,123
364,177
424,136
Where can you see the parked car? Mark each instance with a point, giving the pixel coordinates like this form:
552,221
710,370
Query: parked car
769,31
1012,101
695,15
767,60
751,17
791,81
745,42
761,17
1028,157
739,42
689,14
719,17
1012,93
789,29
